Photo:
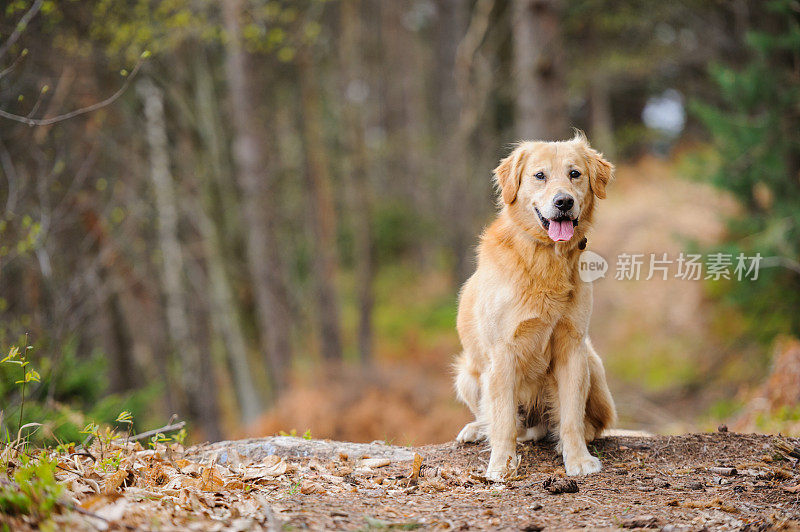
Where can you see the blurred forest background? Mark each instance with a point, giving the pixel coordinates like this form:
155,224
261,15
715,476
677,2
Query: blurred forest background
256,214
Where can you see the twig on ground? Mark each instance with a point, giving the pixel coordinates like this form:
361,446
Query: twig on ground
167,428
87,513
787,449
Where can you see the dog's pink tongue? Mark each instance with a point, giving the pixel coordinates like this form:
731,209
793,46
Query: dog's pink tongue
560,230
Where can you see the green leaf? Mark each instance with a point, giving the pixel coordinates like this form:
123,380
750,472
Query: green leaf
12,354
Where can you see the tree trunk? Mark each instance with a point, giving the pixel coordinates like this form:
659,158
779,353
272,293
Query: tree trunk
452,19
321,212
405,119
601,117
200,398
258,205
226,322
539,70
224,313
472,80
123,371
359,187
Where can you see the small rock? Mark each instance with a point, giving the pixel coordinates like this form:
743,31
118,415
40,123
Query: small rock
694,486
536,507
532,527
241,524
660,483
644,521
557,485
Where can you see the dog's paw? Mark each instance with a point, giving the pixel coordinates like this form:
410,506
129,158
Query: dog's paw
471,433
532,434
501,467
582,465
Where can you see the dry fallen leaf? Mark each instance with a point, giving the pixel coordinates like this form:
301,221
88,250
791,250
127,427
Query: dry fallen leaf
192,469
235,485
114,481
115,511
792,489
308,487
272,466
210,479
97,501
415,467
375,462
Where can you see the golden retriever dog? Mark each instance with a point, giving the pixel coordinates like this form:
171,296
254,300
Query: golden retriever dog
527,366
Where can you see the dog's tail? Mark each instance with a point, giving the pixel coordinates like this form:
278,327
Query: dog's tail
468,386
600,410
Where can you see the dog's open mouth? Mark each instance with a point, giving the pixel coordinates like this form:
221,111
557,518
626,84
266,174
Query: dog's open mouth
559,229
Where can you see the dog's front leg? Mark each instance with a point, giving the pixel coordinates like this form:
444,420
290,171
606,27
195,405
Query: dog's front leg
499,403
571,371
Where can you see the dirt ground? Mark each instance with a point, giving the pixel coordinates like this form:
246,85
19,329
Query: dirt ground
691,482
657,482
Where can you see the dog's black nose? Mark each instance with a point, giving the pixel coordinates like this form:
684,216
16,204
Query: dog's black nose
563,202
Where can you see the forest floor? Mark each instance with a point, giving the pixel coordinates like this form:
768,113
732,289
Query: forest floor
695,481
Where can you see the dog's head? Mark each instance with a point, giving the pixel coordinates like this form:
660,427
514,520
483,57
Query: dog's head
549,187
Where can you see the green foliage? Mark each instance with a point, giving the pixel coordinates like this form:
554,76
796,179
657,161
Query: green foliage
32,489
778,421
665,367
396,230
61,395
426,314
273,27
723,409
293,433
754,131
130,29
26,235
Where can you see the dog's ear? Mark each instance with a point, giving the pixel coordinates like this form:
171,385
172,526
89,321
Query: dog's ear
601,172
508,174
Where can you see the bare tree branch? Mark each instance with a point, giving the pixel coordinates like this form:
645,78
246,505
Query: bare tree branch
72,114
12,66
21,25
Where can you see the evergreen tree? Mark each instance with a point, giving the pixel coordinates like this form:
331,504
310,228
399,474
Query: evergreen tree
755,133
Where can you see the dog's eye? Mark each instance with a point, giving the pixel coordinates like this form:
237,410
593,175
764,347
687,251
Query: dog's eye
574,174
539,175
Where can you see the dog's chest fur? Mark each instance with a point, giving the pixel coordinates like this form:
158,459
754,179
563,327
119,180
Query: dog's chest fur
538,283
542,278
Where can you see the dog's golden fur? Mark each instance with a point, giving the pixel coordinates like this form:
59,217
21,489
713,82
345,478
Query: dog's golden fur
523,316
